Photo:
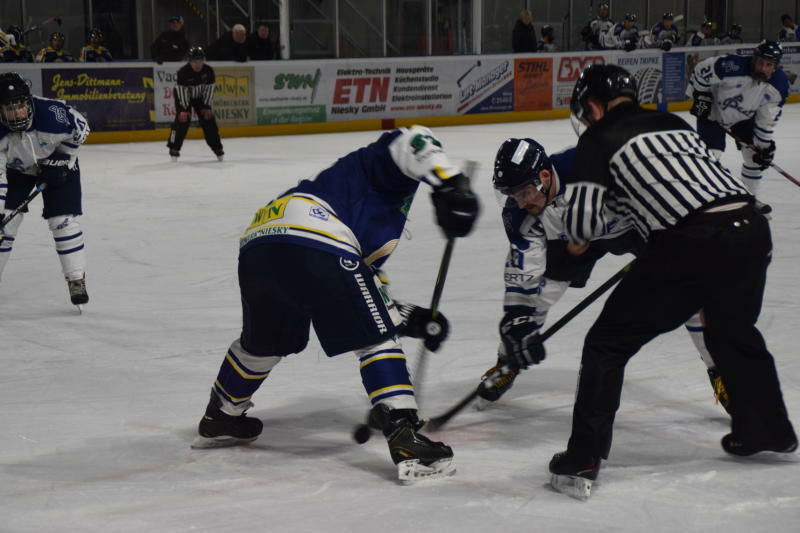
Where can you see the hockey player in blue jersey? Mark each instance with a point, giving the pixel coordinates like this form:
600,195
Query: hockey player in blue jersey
744,95
312,256
541,265
39,141
664,34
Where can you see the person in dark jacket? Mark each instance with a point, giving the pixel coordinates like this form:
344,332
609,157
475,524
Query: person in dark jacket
259,45
523,38
172,44
230,47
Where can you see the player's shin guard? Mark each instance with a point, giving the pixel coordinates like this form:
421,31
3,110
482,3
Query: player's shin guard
385,375
10,233
751,176
240,376
68,237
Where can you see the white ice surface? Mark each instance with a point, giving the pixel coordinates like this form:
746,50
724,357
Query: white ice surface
97,411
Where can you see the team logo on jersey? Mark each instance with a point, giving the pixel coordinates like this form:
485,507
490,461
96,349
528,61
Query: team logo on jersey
60,113
734,102
318,212
348,264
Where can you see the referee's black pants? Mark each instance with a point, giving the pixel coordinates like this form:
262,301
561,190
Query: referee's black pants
179,129
711,261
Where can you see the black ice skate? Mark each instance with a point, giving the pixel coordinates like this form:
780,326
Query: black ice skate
743,448
219,430
174,155
220,154
720,392
494,383
416,456
573,475
77,292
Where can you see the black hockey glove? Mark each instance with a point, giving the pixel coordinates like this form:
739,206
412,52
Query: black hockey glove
520,335
701,107
53,170
763,157
456,206
629,45
419,322
666,45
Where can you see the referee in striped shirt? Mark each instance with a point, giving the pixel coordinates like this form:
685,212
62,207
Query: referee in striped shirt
707,248
194,90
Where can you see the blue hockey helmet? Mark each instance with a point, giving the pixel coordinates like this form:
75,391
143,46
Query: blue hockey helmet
770,50
517,164
15,94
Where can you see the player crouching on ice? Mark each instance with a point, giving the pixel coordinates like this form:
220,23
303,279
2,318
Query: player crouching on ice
312,256
39,140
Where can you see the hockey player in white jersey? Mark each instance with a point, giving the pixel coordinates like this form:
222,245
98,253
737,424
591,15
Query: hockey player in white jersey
312,256
664,34
39,141
540,264
623,36
744,95
596,27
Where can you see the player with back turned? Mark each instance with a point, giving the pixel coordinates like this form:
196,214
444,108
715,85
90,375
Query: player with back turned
312,256
707,247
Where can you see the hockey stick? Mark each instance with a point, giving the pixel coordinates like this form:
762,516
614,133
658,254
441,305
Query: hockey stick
755,150
438,422
35,27
3,221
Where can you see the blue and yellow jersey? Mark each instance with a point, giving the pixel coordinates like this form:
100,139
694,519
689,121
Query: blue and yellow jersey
95,54
357,208
16,54
51,55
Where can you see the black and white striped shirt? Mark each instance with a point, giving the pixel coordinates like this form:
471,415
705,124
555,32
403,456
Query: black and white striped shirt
194,87
648,167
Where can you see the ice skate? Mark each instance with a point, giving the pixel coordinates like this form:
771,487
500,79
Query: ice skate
220,155
720,392
494,383
416,456
219,430
174,155
741,447
573,477
77,292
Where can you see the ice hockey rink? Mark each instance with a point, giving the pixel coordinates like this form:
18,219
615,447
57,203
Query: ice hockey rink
98,410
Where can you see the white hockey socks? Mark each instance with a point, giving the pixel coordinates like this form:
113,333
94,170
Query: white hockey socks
68,237
751,173
10,232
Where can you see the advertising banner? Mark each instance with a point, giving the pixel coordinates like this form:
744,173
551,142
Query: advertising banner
791,66
568,69
674,77
234,96
110,99
647,71
288,95
485,85
533,84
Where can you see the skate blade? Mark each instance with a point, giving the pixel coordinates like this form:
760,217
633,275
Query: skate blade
412,470
482,403
80,308
576,487
204,443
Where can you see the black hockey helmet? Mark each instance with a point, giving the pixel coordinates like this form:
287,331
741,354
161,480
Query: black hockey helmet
196,53
547,29
96,33
16,32
176,18
15,92
630,16
668,16
57,36
771,50
602,83
517,165
707,24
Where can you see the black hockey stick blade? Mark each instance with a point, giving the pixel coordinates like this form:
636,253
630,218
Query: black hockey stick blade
438,422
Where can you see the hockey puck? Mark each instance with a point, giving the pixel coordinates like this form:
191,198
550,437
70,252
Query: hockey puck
362,433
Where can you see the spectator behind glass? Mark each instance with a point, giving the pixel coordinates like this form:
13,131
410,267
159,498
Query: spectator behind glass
230,47
548,41
172,44
790,30
259,45
523,37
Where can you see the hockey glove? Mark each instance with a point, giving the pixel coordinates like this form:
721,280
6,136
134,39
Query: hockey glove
520,335
419,322
763,156
701,107
54,170
629,45
666,45
456,206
